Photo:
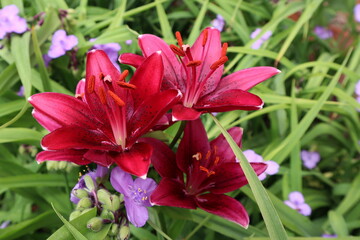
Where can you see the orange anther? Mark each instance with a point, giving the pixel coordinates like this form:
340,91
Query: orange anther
224,49
219,62
194,63
116,98
126,85
208,154
123,75
102,95
209,173
91,84
205,38
177,51
179,38
217,159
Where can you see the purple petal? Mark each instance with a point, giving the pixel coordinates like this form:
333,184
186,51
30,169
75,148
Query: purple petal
137,215
255,33
357,86
304,209
147,186
252,156
357,13
257,44
71,41
56,51
296,198
121,181
273,167
310,159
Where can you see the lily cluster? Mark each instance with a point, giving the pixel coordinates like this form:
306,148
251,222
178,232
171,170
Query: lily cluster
107,120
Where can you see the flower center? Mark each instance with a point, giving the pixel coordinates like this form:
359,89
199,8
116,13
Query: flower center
139,195
193,68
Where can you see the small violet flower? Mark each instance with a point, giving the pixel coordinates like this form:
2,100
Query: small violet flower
310,159
357,12
20,93
296,201
60,43
128,42
257,44
136,195
325,235
10,21
357,88
5,224
272,166
218,23
323,33
111,49
96,175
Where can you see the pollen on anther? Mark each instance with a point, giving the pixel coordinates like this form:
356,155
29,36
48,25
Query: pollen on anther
219,62
126,85
116,98
177,51
102,95
123,75
224,49
206,34
91,84
194,63
179,38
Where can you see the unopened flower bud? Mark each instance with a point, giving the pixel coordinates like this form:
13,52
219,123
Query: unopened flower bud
89,182
84,203
62,165
107,214
121,198
80,193
95,224
115,202
52,165
114,230
86,210
104,197
74,214
124,233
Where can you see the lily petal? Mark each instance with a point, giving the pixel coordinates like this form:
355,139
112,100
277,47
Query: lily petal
182,113
171,193
136,160
102,158
131,59
228,101
70,155
194,141
54,110
225,207
246,78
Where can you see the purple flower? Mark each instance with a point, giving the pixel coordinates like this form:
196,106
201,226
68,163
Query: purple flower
128,42
257,44
136,195
5,224
357,88
97,176
111,49
20,93
253,157
325,235
310,159
10,21
357,12
296,201
323,33
61,43
218,23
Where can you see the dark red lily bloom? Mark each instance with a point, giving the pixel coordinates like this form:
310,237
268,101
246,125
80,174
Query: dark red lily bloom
103,123
196,71
210,168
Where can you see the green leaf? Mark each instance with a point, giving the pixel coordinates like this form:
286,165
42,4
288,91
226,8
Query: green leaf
197,25
338,224
164,22
271,218
19,135
32,180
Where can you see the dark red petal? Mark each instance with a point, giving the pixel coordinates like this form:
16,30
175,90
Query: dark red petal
163,158
223,149
136,160
229,177
102,158
54,110
194,141
172,68
147,78
149,112
76,138
180,112
246,78
131,59
225,207
69,155
171,193
228,101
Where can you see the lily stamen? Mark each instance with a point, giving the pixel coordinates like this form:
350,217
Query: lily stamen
123,75
116,98
208,172
177,51
126,85
179,38
206,34
194,63
102,96
91,84
197,156
224,49
219,62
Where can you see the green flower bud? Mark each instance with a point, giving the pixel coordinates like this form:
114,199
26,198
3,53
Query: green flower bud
115,203
89,182
74,214
85,211
107,214
84,203
52,165
124,233
62,165
114,230
104,197
80,193
121,198
95,224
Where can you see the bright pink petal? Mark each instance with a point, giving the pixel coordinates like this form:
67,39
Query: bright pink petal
72,137
194,141
147,78
172,68
131,59
171,193
54,110
229,177
223,149
180,112
80,89
208,54
225,207
228,101
163,158
136,160
149,112
246,78
69,155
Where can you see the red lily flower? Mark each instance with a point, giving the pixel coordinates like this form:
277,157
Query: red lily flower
210,168
104,123
196,71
